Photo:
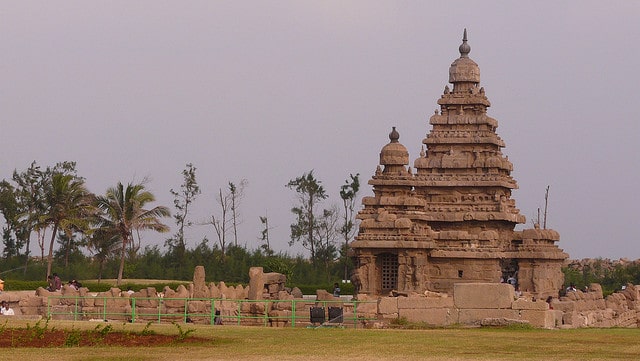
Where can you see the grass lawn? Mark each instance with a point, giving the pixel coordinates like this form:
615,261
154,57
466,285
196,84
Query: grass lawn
261,343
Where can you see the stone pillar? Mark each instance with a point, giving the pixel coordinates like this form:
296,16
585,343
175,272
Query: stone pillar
200,289
256,283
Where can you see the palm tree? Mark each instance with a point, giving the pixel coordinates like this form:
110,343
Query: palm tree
103,243
69,208
124,212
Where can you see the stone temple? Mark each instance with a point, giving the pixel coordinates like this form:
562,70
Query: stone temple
451,219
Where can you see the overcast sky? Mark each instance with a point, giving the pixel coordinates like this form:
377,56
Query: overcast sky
268,90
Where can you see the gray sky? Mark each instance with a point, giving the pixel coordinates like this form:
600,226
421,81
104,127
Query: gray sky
268,90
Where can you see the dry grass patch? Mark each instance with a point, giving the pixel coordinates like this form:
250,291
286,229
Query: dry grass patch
283,344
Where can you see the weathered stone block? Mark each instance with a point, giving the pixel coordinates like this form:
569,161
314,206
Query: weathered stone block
197,306
431,316
425,302
274,278
256,283
33,301
564,306
483,295
524,304
147,313
279,318
32,310
539,318
388,305
596,289
574,319
474,316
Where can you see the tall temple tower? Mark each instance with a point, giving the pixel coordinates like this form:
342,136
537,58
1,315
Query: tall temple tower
452,219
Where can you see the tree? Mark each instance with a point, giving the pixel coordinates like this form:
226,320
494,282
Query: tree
264,236
69,206
310,193
30,188
10,209
327,234
123,212
189,190
103,243
236,193
221,222
348,193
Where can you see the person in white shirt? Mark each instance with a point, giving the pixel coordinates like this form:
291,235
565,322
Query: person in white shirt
5,310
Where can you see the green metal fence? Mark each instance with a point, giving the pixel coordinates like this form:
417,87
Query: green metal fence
290,313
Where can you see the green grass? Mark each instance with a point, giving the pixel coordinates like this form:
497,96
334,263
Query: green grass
260,343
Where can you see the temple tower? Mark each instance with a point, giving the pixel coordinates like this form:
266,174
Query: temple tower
452,219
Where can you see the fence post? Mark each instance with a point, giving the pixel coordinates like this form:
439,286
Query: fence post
133,309
186,310
75,311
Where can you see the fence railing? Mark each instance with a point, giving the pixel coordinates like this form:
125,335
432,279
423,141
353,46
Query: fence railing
282,313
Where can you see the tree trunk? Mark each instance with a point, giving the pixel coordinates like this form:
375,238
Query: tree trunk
122,255
50,256
26,262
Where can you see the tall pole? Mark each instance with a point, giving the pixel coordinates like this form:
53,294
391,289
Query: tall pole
546,203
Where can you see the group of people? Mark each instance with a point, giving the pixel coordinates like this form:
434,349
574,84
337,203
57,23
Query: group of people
55,283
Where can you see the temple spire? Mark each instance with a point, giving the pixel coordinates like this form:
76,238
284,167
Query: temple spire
464,48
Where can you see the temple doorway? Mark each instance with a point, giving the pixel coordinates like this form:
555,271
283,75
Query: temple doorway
509,267
389,268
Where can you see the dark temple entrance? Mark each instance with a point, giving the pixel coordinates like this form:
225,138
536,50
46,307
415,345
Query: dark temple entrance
389,268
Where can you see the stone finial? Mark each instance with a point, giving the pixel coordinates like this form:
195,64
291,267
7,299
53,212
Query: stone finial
464,48
394,135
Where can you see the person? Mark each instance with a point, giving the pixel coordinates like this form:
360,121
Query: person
571,288
336,290
75,284
549,300
217,320
5,309
1,286
130,291
51,286
57,282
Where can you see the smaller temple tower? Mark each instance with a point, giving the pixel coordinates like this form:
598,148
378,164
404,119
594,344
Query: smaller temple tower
452,219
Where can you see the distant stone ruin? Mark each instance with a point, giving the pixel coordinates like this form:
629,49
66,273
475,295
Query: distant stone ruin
451,219
266,301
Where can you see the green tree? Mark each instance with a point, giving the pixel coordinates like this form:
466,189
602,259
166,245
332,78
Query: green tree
348,193
310,193
30,194
103,244
264,236
10,209
69,206
183,198
123,211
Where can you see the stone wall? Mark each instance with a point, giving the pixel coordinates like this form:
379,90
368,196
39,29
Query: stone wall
498,304
192,304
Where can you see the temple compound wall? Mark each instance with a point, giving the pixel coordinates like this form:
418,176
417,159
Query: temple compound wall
498,304
488,304
450,217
